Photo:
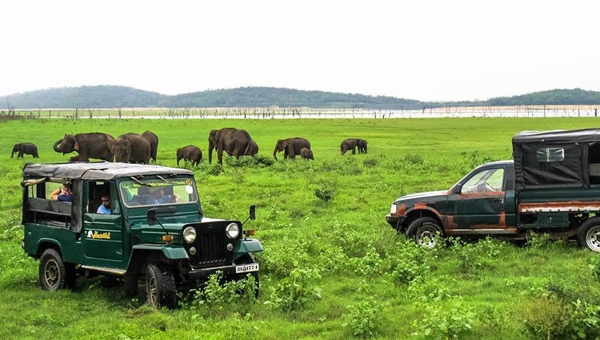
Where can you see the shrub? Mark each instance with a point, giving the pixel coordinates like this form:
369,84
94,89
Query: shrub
295,291
325,189
364,318
368,265
545,318
594,266
444,323
236,295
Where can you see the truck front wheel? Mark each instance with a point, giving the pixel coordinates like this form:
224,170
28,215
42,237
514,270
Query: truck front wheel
160,286
424,230
589,234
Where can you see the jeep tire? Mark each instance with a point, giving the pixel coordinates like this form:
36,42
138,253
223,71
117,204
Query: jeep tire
160,286
54,273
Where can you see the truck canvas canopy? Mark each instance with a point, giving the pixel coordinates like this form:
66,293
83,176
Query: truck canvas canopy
557,158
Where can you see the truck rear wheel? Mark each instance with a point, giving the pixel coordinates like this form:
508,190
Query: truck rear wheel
424,230
160,286
589,234
54,273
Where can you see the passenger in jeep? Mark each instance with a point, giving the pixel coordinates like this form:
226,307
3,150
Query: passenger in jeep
63,194
159,197
104,208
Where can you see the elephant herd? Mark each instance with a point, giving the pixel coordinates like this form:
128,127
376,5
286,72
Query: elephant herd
128,147
142,148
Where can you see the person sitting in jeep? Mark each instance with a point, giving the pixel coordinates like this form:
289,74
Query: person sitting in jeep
65,193
104,208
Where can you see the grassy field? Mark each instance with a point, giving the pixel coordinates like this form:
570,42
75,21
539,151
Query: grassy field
332,268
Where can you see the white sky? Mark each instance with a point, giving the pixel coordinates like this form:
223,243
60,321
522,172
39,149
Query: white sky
417,49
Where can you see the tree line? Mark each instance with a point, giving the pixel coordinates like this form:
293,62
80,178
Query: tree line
108,96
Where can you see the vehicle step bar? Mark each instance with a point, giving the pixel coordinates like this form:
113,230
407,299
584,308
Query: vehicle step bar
113,271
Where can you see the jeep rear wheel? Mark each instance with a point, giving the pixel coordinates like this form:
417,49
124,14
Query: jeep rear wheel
424,231
588,235
160,286
53,273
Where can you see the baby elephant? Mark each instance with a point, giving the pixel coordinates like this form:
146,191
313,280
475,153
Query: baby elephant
306,153
190,153
25,148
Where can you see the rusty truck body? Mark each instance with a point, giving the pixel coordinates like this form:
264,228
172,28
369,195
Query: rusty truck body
552,186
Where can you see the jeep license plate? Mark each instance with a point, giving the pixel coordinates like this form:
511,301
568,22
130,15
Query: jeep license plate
247,268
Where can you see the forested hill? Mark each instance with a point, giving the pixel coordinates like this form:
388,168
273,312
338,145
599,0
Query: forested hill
119,96
106,96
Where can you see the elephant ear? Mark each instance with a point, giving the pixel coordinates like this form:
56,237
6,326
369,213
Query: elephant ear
75,142
284,144
216,139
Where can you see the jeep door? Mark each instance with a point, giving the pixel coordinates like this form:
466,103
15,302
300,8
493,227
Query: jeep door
478,206
102,236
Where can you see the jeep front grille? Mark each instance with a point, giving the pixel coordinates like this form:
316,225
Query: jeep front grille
211,246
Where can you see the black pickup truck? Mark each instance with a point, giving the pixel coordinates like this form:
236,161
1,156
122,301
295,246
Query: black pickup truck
552,186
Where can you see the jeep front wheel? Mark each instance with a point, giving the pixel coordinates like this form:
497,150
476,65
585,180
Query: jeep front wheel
53,273
589,234
160,286
424,231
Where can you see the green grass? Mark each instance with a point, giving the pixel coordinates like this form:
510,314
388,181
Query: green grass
495,288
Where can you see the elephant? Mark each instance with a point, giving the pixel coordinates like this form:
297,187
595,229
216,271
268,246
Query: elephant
74,159
130,147
88,145
25,148
290,147
252,149
189,153
361,144
353,144
231,140
306,154
152,138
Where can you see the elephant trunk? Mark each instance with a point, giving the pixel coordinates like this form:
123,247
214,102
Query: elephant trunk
12,153
275,153
55,146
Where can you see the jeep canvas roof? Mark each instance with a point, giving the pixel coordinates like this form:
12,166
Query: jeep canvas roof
97,170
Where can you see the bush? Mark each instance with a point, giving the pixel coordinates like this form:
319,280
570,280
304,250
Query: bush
325,189
444,323
231,296
546,318
364,318
295,291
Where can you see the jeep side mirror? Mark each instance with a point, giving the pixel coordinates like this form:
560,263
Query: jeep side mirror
253,212
151,216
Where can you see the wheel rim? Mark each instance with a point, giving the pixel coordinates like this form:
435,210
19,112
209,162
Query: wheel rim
51,273
427,235
592,238
153,291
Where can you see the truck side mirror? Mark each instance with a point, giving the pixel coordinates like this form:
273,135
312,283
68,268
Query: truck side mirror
253,212
151,216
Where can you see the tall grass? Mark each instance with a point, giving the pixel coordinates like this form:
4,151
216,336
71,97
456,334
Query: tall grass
332,268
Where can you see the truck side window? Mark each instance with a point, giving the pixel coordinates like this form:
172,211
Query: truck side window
484,181
547,155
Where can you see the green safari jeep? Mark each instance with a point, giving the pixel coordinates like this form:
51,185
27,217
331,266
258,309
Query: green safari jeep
155,231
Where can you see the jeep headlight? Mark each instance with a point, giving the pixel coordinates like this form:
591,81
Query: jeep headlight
189,234
393,209
232,230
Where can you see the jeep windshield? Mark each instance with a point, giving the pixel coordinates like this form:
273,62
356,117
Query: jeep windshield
158,191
